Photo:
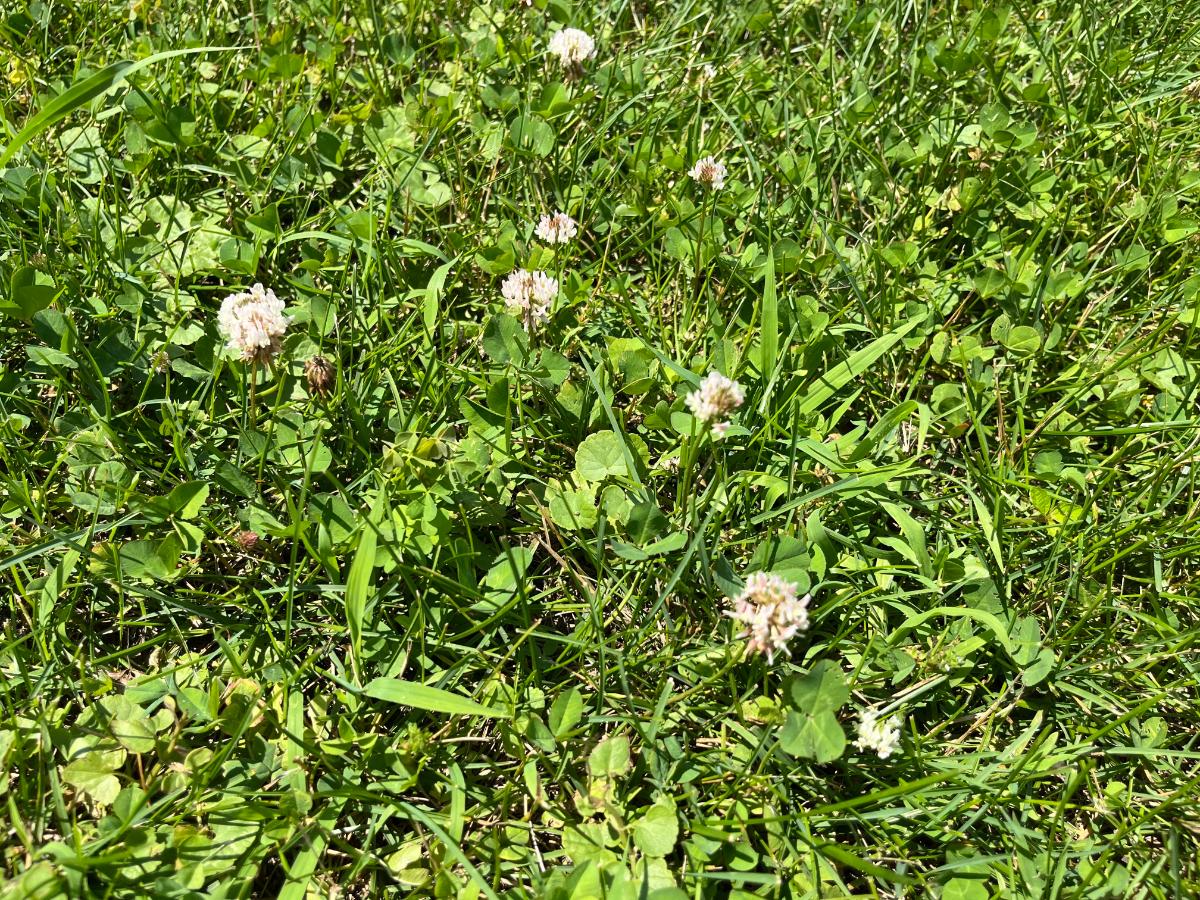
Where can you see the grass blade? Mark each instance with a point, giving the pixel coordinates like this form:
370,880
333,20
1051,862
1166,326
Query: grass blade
77,95
64,104
358,585
770,327
853,367
422,696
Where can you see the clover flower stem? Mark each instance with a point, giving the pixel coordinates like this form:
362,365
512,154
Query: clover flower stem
700,250
687,464
719,460
270,429
252,374
696,499
305,486
531,330
558,274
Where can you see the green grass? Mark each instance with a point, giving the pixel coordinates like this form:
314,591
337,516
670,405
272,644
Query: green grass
479,646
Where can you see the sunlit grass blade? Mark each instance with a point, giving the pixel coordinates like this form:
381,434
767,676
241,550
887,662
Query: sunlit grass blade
423,696
79,95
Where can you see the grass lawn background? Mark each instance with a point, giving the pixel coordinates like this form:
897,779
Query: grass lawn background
456,626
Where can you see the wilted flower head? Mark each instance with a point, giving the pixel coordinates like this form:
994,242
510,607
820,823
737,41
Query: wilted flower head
247,540
319,372
557,229
572,46
880,735
715,400
253,323
528,296
709,172
771,611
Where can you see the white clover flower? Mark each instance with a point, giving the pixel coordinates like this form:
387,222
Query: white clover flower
715,400
771,611
880,735
528,296
572,46
704,74
557,229
669,463
709,172
253,323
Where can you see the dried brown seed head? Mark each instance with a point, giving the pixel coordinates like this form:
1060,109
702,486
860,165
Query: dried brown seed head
319,372
247,540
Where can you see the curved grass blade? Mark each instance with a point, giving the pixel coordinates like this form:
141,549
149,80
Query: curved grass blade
64,104
77,95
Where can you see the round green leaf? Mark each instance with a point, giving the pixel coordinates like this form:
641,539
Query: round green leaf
965,889
610,757
571,508
1023,339
656,832
821,689
600,456
91,768
129,724
532,134
816,736
504,339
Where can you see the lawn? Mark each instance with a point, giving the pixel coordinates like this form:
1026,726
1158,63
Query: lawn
638,449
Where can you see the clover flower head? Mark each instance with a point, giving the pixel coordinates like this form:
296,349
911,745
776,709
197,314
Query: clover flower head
557,229
880,735
572,46
715,400
528,296
320,374
709,172
771,613
253,323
